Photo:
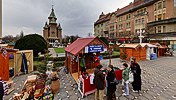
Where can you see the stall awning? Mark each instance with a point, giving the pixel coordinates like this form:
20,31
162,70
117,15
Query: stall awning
79,44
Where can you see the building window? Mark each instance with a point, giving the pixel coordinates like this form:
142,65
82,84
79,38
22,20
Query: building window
159,17
112,35
128,25
155,18
136,21
159,5
139,21
120,26
111,28
159,29
155,7
164,29
143,20
120,18
164,3
164,15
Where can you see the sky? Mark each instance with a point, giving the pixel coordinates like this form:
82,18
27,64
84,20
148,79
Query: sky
76,17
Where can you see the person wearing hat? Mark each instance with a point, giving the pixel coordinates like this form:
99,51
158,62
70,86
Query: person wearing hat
99,81
111,85
136,70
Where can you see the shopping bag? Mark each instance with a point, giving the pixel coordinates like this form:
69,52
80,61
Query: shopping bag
131,78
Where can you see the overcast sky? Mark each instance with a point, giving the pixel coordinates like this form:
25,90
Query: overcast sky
75,16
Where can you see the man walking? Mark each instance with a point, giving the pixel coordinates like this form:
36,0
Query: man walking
99,81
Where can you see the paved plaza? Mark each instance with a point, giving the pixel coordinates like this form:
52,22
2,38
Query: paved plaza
158,82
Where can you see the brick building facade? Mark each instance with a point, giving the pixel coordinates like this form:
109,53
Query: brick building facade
52,32
155,18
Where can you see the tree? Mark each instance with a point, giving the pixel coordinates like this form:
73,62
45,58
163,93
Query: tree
33,42
8,39
89,34
21,34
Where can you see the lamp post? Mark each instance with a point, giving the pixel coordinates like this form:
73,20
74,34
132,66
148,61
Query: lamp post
140,32
110,52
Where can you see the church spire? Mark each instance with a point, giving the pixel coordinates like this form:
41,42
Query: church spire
59,27
52,18
46,25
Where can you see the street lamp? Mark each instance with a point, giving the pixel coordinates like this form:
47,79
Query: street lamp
110,52
140,32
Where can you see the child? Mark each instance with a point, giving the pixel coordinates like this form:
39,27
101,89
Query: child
125,77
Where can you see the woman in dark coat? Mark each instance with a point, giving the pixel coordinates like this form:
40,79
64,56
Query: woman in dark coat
111,85
136,70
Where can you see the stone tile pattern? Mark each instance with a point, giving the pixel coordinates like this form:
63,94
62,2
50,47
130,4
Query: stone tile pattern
158,82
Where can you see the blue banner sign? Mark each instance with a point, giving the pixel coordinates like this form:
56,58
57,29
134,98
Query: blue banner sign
95,48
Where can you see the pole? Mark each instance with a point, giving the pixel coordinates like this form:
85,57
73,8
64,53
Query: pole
78,66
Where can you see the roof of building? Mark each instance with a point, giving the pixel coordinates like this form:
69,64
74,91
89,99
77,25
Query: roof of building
52,15
79,44
129,8
130,45
103,18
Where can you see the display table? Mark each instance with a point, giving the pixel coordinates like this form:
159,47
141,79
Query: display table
85,87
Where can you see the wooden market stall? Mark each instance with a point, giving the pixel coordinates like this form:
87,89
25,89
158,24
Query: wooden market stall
150,49
83,47
133,50
19,58
4,65
162,49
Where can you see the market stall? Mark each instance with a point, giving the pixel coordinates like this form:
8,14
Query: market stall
151,50
133,50
4,64
161,49
83,49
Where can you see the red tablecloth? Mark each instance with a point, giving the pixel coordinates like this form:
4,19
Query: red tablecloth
87,86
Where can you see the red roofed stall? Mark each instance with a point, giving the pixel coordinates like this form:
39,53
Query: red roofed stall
79,47
74,53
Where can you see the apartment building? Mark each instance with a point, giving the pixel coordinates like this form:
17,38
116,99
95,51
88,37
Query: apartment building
156,19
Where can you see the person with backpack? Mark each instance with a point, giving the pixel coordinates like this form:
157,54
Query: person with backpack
125,77
111,84
99,81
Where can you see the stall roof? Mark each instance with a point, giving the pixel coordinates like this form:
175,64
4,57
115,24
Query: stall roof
3,45
148,45
130,45
79,44
159,45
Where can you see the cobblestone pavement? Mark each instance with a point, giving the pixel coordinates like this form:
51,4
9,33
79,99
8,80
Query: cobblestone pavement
18,85
158,82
